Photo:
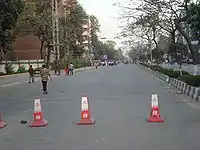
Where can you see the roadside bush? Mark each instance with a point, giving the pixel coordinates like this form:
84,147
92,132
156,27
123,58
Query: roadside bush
156,68
78,63
169,72
186,77
191,80
9,69
2,73
173,74
21,69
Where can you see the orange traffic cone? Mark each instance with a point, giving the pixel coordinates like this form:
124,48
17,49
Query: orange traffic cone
85,113
38,120
2,123
155,111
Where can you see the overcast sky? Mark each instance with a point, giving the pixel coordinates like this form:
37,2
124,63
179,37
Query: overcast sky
106,13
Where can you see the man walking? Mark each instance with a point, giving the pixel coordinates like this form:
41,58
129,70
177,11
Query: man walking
44,76
71,69
31,74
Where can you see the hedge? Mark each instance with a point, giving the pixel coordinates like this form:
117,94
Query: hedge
78,63
169,72
186,77
191,79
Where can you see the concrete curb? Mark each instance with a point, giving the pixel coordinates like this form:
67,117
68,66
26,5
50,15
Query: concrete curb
190,91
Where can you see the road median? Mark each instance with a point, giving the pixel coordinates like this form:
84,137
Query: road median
190,91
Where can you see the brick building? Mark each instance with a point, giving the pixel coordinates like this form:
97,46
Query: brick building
27,48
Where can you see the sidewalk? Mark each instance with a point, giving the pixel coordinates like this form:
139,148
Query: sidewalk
12,80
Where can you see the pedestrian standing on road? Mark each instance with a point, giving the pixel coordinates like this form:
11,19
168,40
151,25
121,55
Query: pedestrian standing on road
45,75
71,69
31,74
67,70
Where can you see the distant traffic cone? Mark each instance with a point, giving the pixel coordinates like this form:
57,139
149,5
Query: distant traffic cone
155,111
38,120
2,123
85,113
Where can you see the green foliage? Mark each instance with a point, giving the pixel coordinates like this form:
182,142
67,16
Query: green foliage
106,48
169,72
2,74
120,54
95,28
161,17
9,69
178,51
10,11
191,80
78,63
194,19
21,69
75,20
157,55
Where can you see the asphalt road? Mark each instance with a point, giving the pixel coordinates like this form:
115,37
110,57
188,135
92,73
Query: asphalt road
120,100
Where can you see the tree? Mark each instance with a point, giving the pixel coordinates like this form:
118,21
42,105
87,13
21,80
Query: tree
120,54
108,49
95,29
75,20
36,19
132,55
194,20
10,11
167,15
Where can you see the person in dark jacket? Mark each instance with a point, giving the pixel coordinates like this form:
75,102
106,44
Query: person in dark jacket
31,74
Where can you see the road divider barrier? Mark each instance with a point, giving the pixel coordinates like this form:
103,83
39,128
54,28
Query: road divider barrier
85,113
2,123
155,111
38,118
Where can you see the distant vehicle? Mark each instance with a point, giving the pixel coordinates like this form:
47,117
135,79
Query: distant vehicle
103,63
111,63
126,62
98,62
37,70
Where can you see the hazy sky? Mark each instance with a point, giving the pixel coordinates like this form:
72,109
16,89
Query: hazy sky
106,13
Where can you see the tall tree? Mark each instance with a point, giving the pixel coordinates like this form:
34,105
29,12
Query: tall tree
36,19
10,11
75,20
95,29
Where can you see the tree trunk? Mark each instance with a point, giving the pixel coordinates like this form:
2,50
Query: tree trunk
41,49
192,51
180,69
180,29
1,54
48,54
154,37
